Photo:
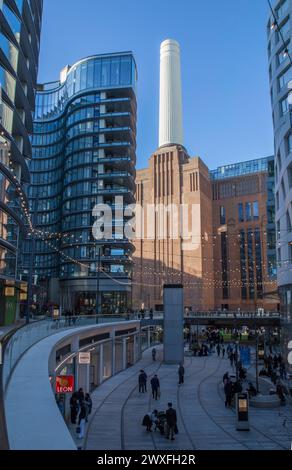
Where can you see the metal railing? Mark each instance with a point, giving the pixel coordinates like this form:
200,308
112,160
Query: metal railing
230,314
30,334
210,314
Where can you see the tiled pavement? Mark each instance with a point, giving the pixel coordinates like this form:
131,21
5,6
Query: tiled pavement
203,421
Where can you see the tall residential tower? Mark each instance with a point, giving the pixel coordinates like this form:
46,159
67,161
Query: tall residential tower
279,33
84,153
20,22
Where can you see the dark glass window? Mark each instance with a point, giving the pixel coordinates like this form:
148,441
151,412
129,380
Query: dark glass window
97,73
240,213
271,215
224,265
115,72
258,257
243,265
126,70
250,263
255,210
248,211
90,74
222,215
105,72
271,239
83,76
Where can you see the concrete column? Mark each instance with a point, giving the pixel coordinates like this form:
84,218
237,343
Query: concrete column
173,324
101,363
83,376
135,348
75,348
124,353
113,354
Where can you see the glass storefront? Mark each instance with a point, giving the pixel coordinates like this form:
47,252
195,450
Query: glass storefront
111,302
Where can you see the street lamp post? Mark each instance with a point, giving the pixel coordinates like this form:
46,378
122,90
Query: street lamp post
30,279
257,361
98,253
236,365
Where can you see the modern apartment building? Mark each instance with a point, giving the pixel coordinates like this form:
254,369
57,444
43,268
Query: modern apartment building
84,154
20,22
244,238
279,32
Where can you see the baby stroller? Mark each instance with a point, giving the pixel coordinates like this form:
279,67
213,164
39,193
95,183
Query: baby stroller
161,420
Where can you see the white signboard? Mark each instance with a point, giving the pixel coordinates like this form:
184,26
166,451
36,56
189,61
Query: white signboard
84,358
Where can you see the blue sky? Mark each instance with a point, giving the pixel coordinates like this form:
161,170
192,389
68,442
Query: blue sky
227,111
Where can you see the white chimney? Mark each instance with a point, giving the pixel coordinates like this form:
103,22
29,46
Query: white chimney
170,112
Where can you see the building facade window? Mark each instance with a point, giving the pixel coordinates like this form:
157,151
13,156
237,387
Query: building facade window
222,215
240,212
285,78
224,265
243,272
284,106
255,210
250,258
258,260
248,214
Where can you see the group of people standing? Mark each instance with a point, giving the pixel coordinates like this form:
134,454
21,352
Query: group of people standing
81,406
165,421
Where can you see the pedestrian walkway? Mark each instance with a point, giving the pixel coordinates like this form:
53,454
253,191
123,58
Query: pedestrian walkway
203,421
4,330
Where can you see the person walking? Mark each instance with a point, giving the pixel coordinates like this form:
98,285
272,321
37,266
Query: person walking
231,358
171,420
225,378
147,421
145,380
228,393
80,395
88,404
181,374
218,349
142,381
155,385
74,406
81,421
154,354
283,373
223,352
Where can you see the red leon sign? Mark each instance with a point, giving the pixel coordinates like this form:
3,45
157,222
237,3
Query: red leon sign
65,384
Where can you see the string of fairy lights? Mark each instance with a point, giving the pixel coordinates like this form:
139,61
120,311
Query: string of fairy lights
274,26
206,240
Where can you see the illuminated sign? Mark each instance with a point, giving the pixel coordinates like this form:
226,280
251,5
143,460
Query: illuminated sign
65,384
84,358
56,312
9,291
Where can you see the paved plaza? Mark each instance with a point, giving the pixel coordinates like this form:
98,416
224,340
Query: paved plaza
203,421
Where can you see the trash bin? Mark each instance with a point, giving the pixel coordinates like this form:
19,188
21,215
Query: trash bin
242,412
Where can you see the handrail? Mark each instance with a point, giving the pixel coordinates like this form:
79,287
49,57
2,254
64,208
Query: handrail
4,442
22,339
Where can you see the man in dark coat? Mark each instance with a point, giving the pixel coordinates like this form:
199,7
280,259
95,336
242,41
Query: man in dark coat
171,421
228,393
155,385
142,381
181,373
